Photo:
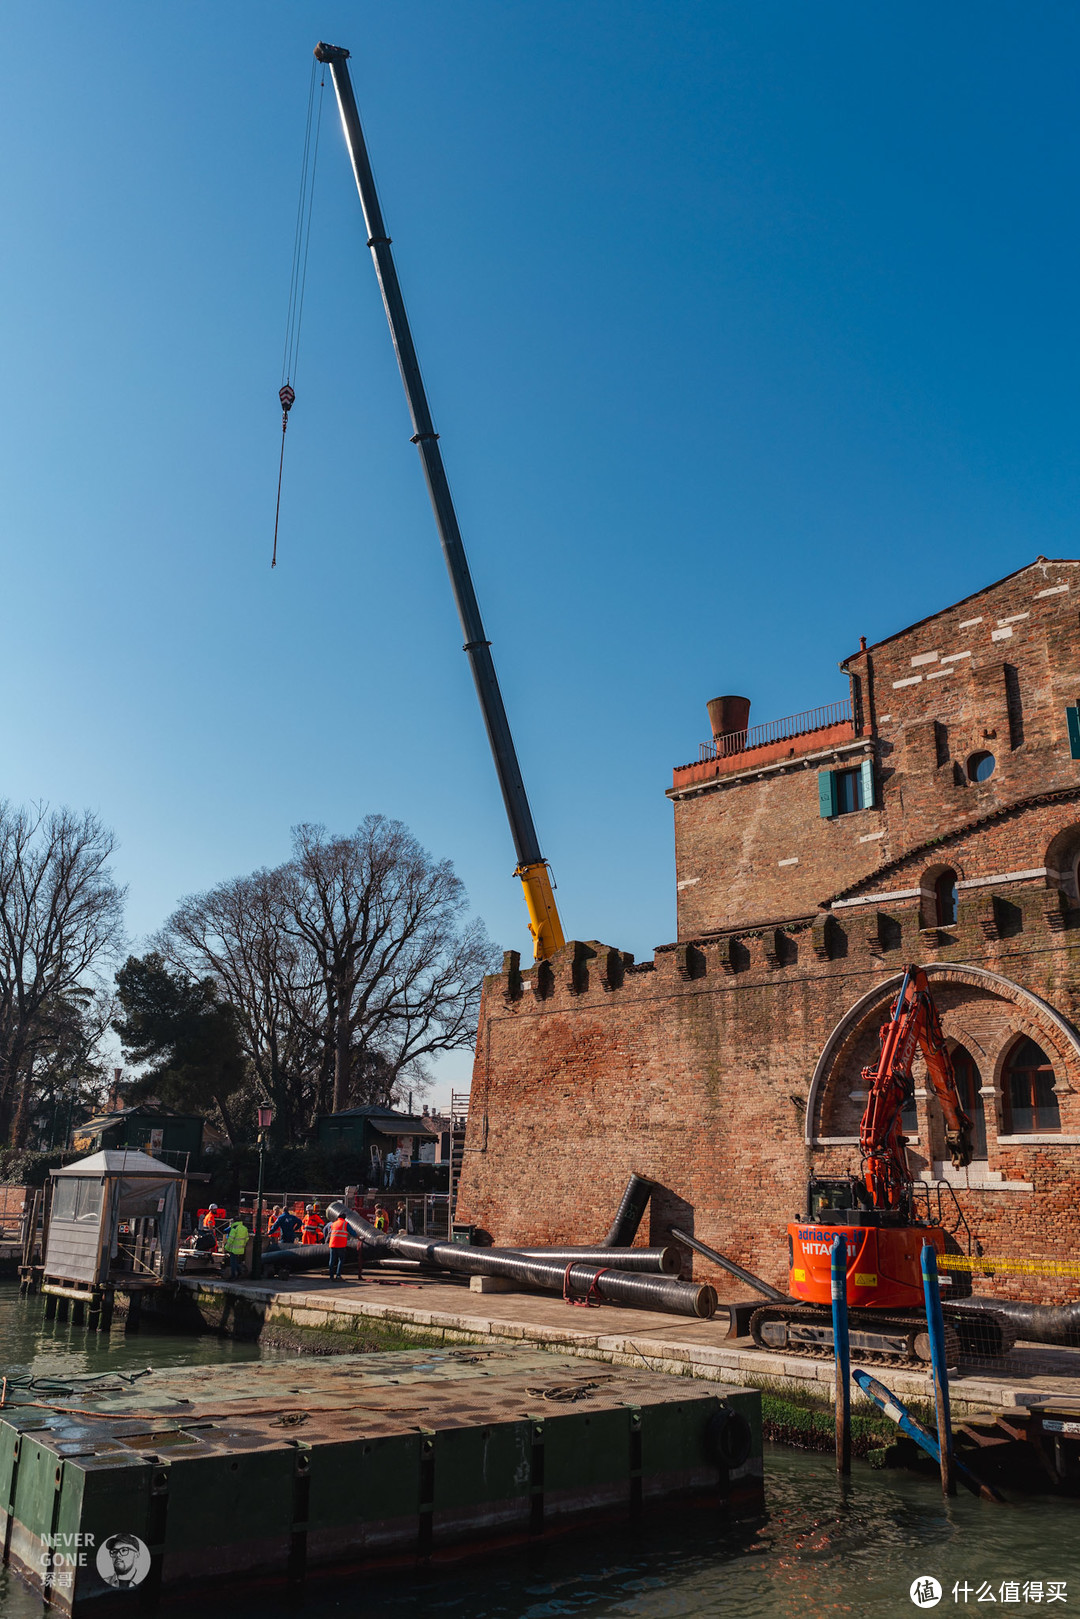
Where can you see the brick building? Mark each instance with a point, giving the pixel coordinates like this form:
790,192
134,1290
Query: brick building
932,816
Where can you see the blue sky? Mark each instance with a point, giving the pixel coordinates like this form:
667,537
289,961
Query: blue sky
747,328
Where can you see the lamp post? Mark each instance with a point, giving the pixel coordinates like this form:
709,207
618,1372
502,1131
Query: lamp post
266,1119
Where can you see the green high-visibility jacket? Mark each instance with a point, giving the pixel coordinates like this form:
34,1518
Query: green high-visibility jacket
236,1238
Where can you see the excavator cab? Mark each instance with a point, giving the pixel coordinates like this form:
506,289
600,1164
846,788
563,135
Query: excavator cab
834,1194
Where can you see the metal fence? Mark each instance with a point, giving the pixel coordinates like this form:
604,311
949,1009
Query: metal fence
759,736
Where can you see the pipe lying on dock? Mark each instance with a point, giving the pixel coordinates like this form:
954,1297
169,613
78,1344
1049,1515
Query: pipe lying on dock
628,1215
661,1261
1035,1323
302,1255
574,1279
746,1276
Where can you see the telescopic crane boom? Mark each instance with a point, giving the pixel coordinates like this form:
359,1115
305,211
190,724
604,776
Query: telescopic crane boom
532,868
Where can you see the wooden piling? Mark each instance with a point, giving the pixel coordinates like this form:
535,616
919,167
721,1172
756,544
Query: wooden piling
935,1322
841,1355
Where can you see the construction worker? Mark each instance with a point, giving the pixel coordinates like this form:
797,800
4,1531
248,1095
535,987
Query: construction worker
382,1219
312,1227
236,1240
209,1224
338,1238
285,1227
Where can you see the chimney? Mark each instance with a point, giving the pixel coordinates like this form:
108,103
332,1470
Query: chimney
728,715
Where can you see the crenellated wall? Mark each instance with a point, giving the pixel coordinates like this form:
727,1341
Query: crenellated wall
698,1067
729,1067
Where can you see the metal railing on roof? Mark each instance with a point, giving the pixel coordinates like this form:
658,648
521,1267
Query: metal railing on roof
759,736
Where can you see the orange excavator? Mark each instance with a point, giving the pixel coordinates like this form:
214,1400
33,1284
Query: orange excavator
884,1217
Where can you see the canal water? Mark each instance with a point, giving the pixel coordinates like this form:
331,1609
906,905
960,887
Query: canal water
822,1549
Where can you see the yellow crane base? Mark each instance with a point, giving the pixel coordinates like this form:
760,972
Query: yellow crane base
544,923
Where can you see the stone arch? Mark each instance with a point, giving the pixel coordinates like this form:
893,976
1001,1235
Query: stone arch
1031,1013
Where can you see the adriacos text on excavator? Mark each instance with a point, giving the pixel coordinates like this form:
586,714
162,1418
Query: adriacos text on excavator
878,1214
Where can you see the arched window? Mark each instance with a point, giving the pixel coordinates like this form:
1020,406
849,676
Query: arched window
945,899
968,1082
1028,1085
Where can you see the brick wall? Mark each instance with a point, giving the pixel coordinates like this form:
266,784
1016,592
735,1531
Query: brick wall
695,1068
993,674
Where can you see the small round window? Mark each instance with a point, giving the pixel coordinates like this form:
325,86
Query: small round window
981,766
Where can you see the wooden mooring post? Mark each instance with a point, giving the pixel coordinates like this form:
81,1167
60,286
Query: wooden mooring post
935,1322
841,1355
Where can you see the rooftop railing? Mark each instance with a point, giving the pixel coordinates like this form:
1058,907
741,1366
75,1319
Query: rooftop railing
759,736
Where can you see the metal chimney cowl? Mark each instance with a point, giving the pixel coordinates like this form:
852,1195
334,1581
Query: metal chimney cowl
728,714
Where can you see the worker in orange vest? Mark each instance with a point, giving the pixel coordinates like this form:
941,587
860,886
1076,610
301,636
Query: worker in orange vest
382,1219
209,1224
339,1247
312,1227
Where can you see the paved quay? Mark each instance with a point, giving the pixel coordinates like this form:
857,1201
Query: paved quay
622,1337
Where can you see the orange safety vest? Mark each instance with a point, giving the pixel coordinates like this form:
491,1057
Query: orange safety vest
339,1234
312,1229
209,1221
382,1221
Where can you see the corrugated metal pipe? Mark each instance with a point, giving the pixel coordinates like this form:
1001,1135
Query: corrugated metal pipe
301,1256
634,1202
657,1261
573,1279
1035,1323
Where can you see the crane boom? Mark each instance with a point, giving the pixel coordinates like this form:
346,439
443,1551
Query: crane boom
544,924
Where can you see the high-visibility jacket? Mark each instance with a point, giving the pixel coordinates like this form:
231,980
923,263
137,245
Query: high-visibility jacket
236,1238
382,1220
339,1234
209,1221
313,1229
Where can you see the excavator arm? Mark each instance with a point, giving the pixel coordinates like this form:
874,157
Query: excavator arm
914,1026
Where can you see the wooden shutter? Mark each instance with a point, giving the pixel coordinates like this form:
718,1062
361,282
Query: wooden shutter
1072,714
866,783
826,783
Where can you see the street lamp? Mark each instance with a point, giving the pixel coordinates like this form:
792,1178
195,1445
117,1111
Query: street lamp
266,1119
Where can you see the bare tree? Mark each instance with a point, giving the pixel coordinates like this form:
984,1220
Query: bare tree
400,967
348,967
237,934
60,920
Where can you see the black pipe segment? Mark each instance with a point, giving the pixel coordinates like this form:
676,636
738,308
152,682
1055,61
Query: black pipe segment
657,1261
635,1199
574,1279
1035,1323
302,1256
746,1276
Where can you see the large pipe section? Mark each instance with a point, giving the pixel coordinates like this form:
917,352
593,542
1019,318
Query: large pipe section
574,1280
656,1261
1035,1323
635,1199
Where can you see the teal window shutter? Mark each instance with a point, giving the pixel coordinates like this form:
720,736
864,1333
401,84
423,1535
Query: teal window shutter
866,783
826,783
1073,716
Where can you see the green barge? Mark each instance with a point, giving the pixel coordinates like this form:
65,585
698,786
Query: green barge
267,1470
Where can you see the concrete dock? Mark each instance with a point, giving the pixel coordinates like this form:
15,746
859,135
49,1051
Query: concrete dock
621,1337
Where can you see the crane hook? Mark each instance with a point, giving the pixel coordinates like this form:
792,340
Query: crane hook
287,395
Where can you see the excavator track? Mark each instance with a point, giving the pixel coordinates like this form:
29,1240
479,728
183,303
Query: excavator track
882,1339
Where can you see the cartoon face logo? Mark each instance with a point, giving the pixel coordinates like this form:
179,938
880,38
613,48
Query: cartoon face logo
123,1561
